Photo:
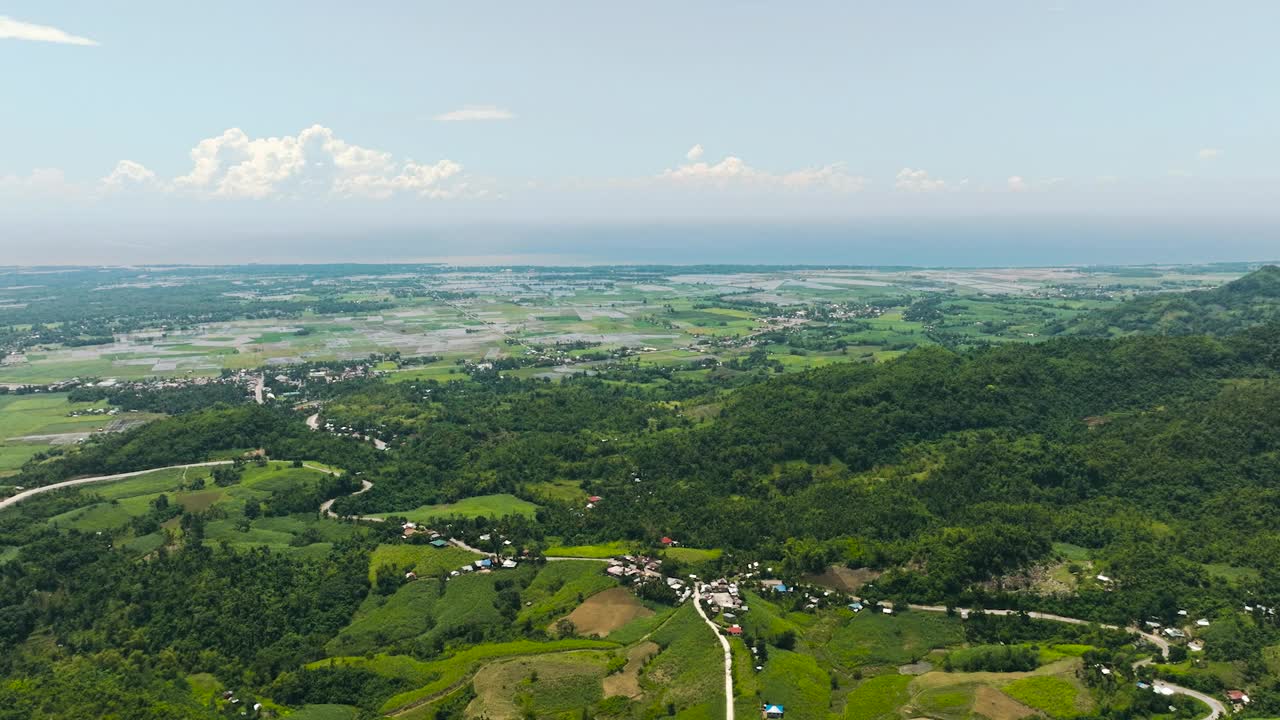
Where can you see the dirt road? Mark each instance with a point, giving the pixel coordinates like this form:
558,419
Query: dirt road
724,643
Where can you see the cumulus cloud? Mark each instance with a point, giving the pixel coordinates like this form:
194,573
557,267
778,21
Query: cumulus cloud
128,174
11,29
476,112
917,181
733,172
1209,153
314,162
695,153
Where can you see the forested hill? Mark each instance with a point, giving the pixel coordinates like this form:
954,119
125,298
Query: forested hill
1248,301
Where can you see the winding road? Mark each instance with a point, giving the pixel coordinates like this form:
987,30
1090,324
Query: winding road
96,479
1216,708
724,643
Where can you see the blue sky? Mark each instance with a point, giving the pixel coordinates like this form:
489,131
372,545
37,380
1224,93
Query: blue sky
329,115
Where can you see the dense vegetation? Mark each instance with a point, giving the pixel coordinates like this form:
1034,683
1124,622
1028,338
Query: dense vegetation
1149,460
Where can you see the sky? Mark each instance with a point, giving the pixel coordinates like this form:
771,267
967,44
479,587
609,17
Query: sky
1030,131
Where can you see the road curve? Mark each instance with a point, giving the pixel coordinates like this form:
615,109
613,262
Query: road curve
1216,708
724,643
99,478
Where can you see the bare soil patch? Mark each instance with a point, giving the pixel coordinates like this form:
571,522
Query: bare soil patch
607,611
627,682
839,577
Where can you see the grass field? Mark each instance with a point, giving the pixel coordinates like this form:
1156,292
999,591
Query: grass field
874,639
559,587
487,505
438,675
692,555
424,560
324,712
795,681
603,550
1056,696
540,685
877,698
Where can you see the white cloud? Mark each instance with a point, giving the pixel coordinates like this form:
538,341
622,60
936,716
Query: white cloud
917,181
128,174
41,182
695,153
476,112
1209,154
733,172
315,162
1017,183
11,29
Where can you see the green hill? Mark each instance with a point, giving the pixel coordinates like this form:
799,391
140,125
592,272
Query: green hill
1251,300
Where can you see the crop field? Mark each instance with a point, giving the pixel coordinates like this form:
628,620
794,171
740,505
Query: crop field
492,313
30,424
679,673
603,550
486,505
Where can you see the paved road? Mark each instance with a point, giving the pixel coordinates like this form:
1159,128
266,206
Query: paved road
96,479
326,512
1216,708
724,643
258,388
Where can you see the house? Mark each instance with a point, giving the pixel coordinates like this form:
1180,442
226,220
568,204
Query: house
735,630
1103,578
594,499
1238,696
771,712
779,588
667,541
508,564
1174,633
485,563
1202,622
1195,646
855,606
411,575
439,543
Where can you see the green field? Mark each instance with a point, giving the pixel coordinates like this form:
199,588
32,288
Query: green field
482,505
603,550
424,560
1055,696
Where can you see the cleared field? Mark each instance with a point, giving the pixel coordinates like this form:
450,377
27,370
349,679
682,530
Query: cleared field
486,505
839,577
607,611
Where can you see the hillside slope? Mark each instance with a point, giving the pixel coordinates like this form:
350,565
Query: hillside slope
1251,300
